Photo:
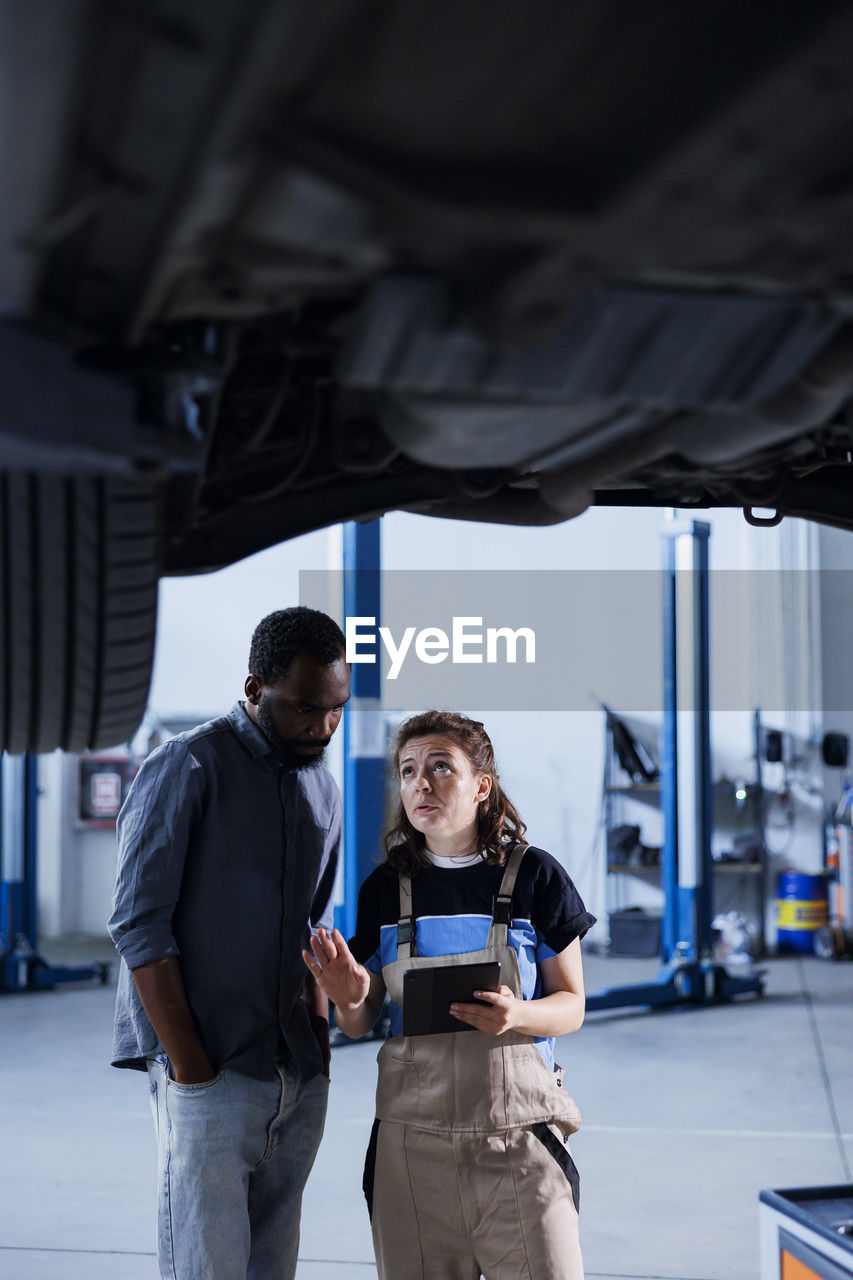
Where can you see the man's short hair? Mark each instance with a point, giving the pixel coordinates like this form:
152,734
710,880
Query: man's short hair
281,635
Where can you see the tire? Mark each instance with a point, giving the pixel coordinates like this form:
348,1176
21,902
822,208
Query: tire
829,942
78,610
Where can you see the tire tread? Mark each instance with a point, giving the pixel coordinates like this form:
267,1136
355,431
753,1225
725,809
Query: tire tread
78,608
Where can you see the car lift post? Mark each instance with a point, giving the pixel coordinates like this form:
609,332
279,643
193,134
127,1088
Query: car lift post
364,738
688,975
21,967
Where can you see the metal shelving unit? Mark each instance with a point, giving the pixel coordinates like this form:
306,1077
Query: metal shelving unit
619,794
689,972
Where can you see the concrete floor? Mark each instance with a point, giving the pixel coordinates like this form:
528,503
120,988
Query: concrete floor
688,1114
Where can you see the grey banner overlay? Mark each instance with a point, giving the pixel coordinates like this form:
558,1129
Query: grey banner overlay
598,636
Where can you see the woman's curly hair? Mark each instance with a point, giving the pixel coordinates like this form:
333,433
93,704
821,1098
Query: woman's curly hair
499,826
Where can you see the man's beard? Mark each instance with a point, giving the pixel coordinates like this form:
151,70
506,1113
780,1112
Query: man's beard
285,750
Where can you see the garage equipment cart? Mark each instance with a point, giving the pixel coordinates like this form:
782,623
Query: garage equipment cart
807,1234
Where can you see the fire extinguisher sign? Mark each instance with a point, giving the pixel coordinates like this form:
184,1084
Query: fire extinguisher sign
104,794
104,784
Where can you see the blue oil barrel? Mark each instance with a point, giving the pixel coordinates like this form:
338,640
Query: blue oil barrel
801,909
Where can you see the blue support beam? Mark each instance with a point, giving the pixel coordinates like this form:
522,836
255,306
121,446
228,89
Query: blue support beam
30,892
669,757
688,975
21,967
686,776
364,742
17,942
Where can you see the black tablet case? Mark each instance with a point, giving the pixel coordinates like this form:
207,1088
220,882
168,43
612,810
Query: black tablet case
429,993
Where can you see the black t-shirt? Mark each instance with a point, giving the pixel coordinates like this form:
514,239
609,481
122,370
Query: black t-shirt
453,910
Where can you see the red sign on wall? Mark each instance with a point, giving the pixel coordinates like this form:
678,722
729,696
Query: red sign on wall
104,784
105,794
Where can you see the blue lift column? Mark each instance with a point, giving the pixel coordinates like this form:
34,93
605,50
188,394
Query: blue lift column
688,974
364,741
21,967
686,775
18,783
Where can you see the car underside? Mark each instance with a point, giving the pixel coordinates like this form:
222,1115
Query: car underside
268,266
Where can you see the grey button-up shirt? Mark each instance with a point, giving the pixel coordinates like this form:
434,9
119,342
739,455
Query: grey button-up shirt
227,861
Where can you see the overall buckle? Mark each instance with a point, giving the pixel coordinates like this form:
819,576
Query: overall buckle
502,910
405,931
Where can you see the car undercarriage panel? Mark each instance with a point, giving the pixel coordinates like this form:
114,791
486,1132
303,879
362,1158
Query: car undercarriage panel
475,260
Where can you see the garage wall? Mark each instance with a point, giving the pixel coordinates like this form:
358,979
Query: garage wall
836,590
203,633
551,761
76,861
49,887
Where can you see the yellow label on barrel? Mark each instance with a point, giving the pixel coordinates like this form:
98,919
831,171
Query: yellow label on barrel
791,914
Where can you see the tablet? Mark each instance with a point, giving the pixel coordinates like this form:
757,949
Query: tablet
429,993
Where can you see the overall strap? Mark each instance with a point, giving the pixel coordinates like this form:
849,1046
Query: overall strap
406,923
502,904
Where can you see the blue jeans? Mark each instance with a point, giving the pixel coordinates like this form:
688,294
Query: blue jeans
233,1158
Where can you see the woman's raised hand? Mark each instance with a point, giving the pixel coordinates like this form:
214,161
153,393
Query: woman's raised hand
336,970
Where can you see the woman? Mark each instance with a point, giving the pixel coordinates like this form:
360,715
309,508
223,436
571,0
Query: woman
467,1170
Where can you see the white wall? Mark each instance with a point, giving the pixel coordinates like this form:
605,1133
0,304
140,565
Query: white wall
76,861
836,597
551,761
206,622
49,883
204,627
836,562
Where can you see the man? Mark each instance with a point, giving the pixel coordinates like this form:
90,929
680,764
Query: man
228,846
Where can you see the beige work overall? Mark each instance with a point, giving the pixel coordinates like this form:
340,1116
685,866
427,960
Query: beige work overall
472,1171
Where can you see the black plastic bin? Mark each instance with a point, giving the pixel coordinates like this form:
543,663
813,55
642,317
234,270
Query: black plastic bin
635,932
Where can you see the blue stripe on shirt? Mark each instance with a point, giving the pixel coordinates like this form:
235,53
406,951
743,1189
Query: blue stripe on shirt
449,935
